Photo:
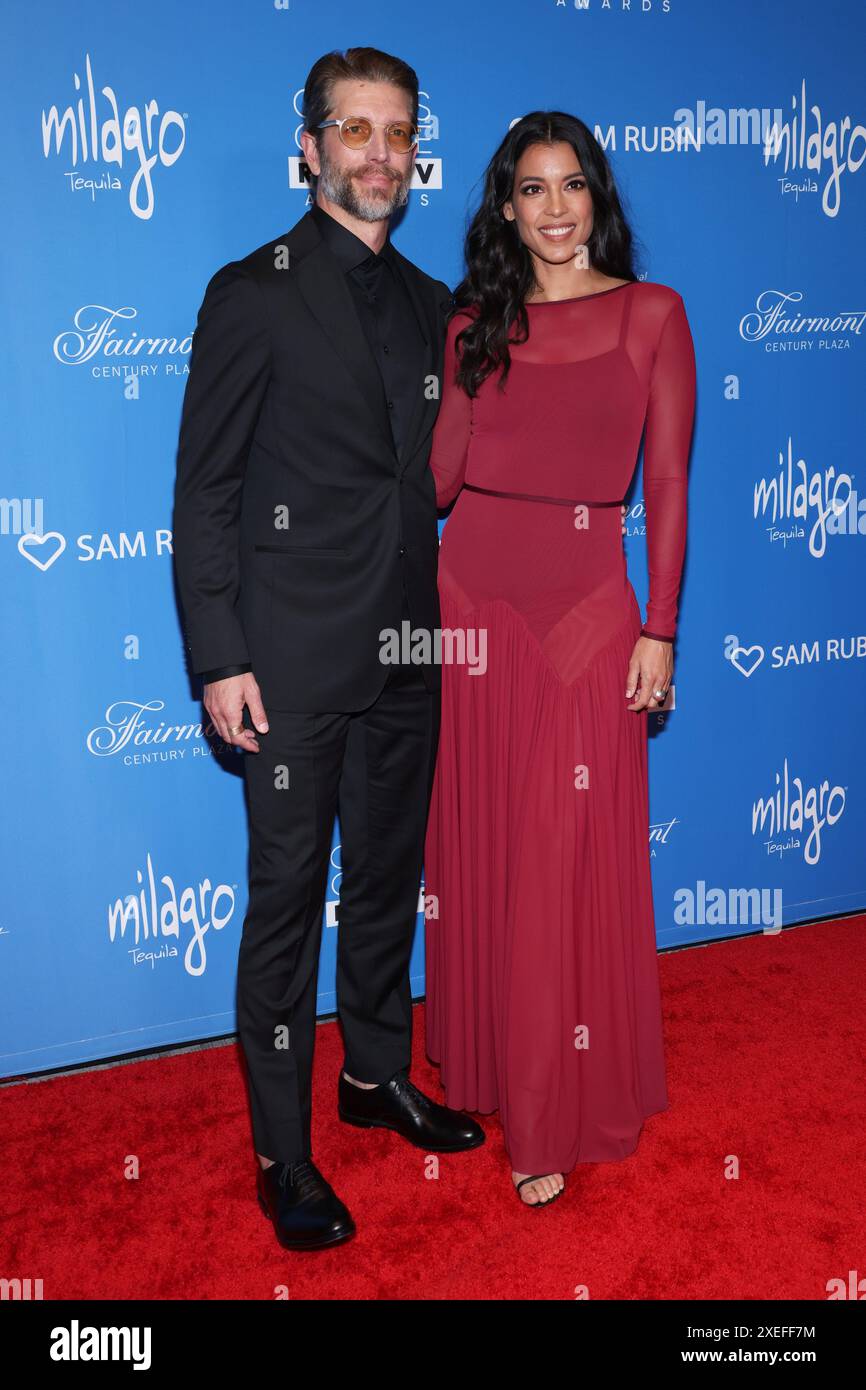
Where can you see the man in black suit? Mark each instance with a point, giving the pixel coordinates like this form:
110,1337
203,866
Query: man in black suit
304,527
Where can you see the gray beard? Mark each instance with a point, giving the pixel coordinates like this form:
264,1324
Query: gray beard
338,186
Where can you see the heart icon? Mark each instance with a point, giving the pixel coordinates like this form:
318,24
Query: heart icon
26,542
747,669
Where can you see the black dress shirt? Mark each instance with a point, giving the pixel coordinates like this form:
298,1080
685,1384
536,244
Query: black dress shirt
391,328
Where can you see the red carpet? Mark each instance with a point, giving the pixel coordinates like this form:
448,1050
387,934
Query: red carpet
765,1043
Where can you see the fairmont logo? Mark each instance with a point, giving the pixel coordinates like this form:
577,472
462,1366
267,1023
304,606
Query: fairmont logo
155,916
793,811
659,834
90,132
94,336
128,730
772,320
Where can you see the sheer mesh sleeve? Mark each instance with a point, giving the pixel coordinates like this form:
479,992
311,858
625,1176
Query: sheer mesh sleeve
670,417
453,427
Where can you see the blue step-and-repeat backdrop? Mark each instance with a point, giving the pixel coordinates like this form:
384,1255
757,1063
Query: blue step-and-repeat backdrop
148,144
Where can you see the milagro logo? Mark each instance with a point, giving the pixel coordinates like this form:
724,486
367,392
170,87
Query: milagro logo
810,143
782,329
84,134
153,921
793,817
426,171
802,504
98,337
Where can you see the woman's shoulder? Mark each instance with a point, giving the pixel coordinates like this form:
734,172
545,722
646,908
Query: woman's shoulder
653,292
463,316
654,305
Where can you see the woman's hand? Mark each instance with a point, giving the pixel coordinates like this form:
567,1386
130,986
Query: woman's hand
651,668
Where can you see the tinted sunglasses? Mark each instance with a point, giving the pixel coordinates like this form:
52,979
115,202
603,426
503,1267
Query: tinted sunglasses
357,131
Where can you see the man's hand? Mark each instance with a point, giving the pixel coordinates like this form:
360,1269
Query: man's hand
224,701
653,663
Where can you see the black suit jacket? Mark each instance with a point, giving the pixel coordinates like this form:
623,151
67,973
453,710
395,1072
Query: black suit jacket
284,416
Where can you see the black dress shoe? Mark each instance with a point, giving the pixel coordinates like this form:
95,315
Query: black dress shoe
306,1212
400,1106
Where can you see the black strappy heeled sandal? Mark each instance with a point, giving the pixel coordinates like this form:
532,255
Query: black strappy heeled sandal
545,1201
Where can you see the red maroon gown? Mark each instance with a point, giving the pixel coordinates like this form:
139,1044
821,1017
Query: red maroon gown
542,972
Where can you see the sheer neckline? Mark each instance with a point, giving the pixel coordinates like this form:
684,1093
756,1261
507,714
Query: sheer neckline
575,298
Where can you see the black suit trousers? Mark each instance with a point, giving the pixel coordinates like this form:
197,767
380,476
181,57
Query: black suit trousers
375,768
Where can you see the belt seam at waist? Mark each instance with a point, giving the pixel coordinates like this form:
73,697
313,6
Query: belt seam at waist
530,497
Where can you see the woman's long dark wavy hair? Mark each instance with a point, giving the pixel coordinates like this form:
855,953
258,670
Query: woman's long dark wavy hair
499,267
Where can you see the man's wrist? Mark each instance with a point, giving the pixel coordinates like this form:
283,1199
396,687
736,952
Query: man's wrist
221,673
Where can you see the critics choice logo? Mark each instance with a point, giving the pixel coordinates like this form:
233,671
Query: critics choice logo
427,169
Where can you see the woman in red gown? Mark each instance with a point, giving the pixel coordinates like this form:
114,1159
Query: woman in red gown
542,972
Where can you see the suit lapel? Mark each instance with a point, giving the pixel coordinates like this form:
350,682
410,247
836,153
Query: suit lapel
327,296
433,315
422,405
